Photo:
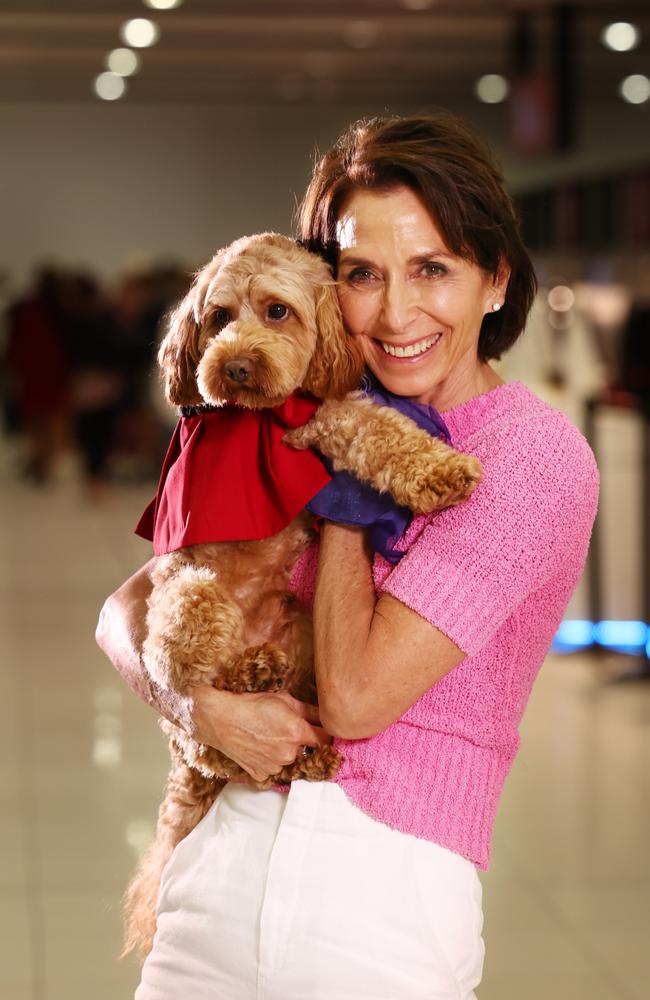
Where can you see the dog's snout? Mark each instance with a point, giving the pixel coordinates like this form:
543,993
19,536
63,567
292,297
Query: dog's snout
239,370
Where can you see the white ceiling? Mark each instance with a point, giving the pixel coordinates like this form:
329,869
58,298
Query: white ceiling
305,51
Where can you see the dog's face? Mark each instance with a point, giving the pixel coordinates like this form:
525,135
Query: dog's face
260,321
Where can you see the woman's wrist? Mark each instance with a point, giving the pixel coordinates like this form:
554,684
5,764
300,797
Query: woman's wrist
342,536
204,713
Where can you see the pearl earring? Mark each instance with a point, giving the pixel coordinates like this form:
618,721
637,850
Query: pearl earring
496,306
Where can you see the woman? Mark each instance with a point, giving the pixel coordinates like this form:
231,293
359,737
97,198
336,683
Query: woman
366,887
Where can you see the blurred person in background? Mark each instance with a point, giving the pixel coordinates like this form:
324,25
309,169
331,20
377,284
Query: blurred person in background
97,378
635,354
39,373
366,886
141,300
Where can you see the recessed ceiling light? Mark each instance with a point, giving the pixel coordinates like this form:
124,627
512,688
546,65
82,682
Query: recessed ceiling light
140,32
620,36
492,88
163,4
418,4
360,34
124,62
109,86
561,298
635,88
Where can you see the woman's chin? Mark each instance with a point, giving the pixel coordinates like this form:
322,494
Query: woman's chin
404,382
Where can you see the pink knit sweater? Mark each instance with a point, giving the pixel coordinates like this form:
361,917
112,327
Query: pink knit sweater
495,575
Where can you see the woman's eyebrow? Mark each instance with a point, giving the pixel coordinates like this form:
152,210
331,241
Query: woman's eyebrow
355,260
420,258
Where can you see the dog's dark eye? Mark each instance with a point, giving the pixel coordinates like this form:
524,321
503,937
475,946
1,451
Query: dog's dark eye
277,311
221,317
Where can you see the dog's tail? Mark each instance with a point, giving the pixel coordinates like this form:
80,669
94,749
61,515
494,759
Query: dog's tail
188,796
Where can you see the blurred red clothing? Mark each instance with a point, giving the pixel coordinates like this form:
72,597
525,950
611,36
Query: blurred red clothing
37,359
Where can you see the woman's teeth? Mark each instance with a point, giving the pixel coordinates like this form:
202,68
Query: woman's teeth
412,350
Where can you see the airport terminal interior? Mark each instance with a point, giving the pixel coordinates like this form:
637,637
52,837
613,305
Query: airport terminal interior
122,176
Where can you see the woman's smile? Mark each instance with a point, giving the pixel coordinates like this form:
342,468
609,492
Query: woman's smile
409,353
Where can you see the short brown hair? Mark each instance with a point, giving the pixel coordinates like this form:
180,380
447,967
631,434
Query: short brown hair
454,173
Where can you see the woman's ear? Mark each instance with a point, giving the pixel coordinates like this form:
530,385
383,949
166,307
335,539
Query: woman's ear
500,279
179,356
337,365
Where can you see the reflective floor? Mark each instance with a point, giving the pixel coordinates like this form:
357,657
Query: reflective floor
82,764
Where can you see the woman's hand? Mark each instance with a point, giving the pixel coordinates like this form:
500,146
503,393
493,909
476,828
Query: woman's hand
262,732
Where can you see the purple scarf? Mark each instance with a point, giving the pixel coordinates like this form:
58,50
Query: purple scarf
348,501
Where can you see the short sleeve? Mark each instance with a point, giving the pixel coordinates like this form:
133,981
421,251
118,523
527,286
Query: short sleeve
302,582
527,522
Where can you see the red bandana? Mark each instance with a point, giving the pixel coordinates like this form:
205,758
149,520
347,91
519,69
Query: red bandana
227,477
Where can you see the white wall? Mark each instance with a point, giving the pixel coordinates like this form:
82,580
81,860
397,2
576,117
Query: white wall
98,183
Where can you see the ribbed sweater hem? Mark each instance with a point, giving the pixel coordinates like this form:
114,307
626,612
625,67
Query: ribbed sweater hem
458,786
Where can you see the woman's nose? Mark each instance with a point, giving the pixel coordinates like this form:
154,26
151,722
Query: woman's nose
398,305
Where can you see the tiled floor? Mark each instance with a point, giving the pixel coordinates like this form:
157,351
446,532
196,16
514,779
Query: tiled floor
567,899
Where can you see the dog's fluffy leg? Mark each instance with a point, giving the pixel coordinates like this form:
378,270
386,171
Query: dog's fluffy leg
193,628
381,446
188,797
260,668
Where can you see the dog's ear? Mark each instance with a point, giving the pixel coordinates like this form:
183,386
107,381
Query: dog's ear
178,356
337,365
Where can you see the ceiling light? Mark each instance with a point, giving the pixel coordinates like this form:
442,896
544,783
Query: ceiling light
140,32
561,298
109,86
360,34
620,36
635,88
492,88
124,62
162,4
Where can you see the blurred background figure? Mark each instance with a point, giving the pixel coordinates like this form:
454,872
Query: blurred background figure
97,377
37,382
635,351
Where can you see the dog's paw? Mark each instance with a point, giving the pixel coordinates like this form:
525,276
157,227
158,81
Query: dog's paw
303,437
321,765
448,485
264,668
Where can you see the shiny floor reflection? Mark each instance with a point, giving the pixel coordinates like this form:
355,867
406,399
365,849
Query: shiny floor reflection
82,764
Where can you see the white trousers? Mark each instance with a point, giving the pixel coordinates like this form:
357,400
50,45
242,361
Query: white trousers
302,896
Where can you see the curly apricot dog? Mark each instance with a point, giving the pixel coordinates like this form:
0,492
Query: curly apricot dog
261,321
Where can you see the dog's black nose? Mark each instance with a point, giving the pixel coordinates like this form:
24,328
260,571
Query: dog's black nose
239,370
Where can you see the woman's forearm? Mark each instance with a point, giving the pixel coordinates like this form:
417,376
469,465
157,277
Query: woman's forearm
120,634
344,606
374,658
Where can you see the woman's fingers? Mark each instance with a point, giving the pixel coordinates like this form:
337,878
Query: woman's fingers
306,711
262,732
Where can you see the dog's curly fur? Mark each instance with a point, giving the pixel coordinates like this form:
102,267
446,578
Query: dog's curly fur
260,321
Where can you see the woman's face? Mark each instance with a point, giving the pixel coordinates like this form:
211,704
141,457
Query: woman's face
416,308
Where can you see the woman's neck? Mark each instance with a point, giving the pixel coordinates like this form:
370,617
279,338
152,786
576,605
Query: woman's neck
460,389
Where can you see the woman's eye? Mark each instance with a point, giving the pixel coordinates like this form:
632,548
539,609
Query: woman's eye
432,270
360,275
221,318
277,311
